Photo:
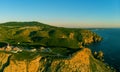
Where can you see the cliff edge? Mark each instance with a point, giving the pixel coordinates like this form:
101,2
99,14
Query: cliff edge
81,61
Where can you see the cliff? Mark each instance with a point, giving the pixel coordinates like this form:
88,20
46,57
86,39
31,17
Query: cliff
36,47
80,61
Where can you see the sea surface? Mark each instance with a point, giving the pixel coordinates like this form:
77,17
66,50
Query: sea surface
110,45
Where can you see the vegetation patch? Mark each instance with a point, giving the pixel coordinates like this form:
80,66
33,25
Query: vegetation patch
25,55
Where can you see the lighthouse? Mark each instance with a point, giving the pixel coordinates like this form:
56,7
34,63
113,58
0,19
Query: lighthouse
8,48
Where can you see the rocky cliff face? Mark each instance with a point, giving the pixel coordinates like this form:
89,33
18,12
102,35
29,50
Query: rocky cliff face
3,60
81,61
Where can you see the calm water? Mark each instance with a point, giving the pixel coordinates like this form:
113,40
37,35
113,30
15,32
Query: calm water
110,46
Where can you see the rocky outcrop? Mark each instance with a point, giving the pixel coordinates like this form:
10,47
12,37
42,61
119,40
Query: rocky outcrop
81,61
23,66
4,60
89,37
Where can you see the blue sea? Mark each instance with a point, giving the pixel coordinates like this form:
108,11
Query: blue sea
110,45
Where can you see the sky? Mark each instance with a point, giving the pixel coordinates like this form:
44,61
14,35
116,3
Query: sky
64,13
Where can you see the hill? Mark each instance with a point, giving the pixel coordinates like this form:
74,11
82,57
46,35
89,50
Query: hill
39,34
37,47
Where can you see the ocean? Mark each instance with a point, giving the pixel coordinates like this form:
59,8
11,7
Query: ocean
110,45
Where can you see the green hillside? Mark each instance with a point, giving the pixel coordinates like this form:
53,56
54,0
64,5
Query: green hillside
39,34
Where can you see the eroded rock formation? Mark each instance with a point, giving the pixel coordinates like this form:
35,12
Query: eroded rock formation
81,61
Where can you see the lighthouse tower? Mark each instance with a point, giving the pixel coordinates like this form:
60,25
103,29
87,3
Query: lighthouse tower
8,48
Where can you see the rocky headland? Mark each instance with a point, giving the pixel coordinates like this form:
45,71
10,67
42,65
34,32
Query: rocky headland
36,47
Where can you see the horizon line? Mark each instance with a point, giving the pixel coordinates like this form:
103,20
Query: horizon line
68,25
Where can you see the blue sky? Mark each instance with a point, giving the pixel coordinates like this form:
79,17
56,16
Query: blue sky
67,13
